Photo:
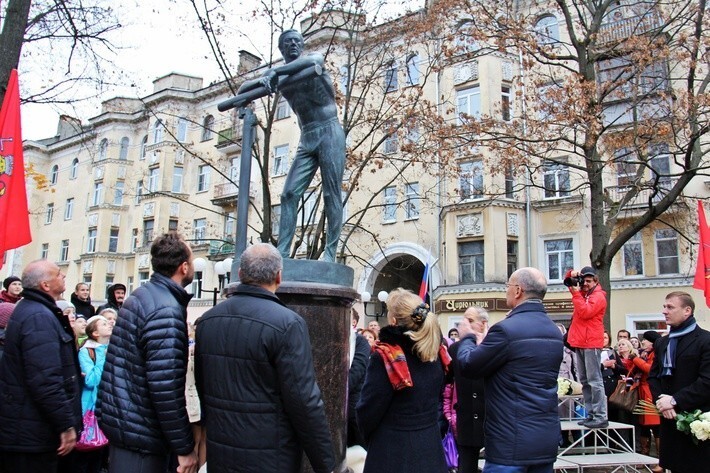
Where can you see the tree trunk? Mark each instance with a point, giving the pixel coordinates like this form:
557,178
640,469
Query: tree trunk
11,39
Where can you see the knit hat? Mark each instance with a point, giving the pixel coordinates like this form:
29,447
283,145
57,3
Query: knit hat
651,336
65,304
9,280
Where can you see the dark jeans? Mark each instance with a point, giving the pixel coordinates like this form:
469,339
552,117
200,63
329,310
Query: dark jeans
124,461
25,462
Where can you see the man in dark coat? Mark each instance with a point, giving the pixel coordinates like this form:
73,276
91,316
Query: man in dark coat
519,358
115,295
360,355
143,411
470,406
261,405
680,381
40,411
81,299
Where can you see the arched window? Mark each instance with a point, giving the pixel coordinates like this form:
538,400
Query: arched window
547,29
158,131
413,69
54,174
144,143
207,126
103,149
74,170
123,153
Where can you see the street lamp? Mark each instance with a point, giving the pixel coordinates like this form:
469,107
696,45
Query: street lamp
382,297
200,265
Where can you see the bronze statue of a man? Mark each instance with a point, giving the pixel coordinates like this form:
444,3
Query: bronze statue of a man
322,141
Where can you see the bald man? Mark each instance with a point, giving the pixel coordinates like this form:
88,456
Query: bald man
40,377
519,358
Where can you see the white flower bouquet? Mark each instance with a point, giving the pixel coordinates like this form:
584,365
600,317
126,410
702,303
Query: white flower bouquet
696,424
566,387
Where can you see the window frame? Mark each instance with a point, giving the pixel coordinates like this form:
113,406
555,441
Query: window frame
91,238
54,175
280,167
412,201
676,257
565,252
74,169
64,251
474,261
390,204
468,179
199,231
123,149
203,178
113,240
635,240
556,170
49,213
468,94
69,208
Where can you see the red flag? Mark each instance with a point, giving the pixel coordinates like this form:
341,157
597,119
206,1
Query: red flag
702,272
14,215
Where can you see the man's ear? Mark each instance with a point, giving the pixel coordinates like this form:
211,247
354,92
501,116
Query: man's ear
278,278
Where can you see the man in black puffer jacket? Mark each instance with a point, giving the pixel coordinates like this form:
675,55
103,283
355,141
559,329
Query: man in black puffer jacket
262,407
40,408
142,389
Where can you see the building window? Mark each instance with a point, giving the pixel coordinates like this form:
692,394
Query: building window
660,168
509,181
113,241
172,225
203,178
390,83
471,180
471,262
505,103
633,256
153,177
118,193
87,279
207,127
390,205
512,260
158,131
69,209
468,104
74,169
559,255
44,251
98,195
64,251
390,144
177,179
230,224
234,170
411,201
275,219
143,277
144,144
626,167
280,160
49,215
556,180
282,109
547,30
129,284
200,229
123,152
103,149
134,239
148,226
667,251
181,130
308,210
413,69
139,192
54,175
91,241
109,280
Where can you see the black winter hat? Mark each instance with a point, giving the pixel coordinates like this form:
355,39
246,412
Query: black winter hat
651,336
9,280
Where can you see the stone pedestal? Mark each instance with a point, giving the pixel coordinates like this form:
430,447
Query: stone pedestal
322,294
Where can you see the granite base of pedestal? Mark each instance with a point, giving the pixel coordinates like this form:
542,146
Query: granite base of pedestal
326,309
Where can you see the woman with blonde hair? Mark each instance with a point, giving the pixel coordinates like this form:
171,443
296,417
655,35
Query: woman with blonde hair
399,403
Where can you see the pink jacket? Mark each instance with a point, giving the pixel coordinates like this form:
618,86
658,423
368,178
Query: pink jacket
587,328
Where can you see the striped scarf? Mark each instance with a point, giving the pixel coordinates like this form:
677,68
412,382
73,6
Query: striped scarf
396,364
669,359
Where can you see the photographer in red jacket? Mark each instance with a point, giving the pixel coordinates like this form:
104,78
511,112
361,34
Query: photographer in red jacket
586,337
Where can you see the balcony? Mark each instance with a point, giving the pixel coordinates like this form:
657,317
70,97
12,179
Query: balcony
640,202
619,30
221,247
226,194
230,139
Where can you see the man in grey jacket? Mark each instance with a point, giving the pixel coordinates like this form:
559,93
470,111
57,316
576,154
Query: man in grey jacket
262,407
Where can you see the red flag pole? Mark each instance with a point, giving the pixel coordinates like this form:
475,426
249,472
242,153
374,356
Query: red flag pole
14,214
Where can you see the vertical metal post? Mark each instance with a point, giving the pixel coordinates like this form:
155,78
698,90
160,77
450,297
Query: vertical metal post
248,130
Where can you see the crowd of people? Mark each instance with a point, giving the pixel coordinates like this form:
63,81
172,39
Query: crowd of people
170,396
